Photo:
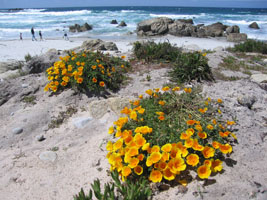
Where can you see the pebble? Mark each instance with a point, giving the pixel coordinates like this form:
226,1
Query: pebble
24,85
48,156
40,138
81,122
17,131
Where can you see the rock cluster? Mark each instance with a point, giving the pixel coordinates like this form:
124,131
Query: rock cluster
97,45
185,27
79,28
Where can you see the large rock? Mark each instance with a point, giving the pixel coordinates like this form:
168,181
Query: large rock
260,79
254,25
237,37
215,30
179,28
232,29
97,45
79,28
114,21
122,24
40,63
187,21
12,65
155,26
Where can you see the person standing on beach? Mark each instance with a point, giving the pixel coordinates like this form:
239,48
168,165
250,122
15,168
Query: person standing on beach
33,36
41,36
65,36
20,36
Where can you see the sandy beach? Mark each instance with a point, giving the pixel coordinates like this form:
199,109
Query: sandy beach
16,49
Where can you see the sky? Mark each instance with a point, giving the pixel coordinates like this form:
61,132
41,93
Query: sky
88,3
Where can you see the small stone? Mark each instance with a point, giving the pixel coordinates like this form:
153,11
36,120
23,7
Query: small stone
45,128
40,138
17,131
48,156
81,121
11,114
24,85
247,101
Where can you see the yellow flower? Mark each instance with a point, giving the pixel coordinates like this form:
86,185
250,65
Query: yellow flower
126,171
168,175
141,111
226,148
219,111
219,101
216,165
209,126
63,83
94,80
198,127
166,148
192,159
160,113
122,57
138,170
189,143
208,152
204,54
188,90
122,66
176,165
184,136
83,63
155,176
113,69
69,68
155,148
149,92
133,162
80,68
203,172
79,80
133,151
109,146
117,145
139,140
146,147
208,163
176,89
141,157
202,135
215,144
111,130
155,157
102,84
93,67
78,63
161,117
202,110
165,89
66,79
230,123
191,122
224,134
133,115
97,61
162,103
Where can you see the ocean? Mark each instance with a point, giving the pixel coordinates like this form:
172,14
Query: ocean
53,21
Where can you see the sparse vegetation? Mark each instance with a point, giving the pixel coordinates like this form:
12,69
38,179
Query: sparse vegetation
27,57
151,51
250,46
29,99
64,115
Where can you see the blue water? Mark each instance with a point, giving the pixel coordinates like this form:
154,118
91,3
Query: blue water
52,21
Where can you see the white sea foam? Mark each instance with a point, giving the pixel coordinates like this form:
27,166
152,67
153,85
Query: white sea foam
244,22
175,16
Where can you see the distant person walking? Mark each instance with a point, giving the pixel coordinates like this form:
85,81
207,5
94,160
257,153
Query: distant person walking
33,36
41,36
65,36
20,36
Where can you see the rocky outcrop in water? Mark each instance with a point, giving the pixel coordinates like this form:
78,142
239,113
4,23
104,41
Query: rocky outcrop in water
114,21
254,25
184,27
79,28
122,24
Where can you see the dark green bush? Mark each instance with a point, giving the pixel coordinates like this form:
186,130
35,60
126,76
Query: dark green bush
129,190
250,46
151,51
191,66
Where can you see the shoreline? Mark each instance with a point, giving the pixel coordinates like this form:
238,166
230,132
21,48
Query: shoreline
15,50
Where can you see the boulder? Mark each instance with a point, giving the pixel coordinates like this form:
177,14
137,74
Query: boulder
232,29
114,21
254,25
12,65
78,28
260,79
155,26
97,45
237,37
187,21
215,30
122,24
40,63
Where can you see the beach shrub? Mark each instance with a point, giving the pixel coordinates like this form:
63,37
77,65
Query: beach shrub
168,133
191,66
250,46
87,71
151,51
27,57
130,190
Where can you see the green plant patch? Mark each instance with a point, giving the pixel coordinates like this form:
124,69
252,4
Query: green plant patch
250,46
168,133
191,66
87,72
29,99
153,52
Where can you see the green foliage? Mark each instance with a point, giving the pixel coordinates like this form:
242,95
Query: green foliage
88,72
250,46
29,99
151,51
191,66
27,57
130,190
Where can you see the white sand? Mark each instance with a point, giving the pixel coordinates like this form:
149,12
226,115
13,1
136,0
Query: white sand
16,49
